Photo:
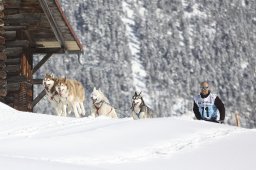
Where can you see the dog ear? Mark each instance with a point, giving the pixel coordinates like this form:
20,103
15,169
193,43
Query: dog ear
99,90
94,89
52,75
135,94
139,94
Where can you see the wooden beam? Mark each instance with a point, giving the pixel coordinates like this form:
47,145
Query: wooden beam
31,40
13,52
9,35
13,61
70,45
17,43
16,79
37,81
12,4
11,87
14,28
13,68
23,19
47,50
53,23
46,57
58,4
37,99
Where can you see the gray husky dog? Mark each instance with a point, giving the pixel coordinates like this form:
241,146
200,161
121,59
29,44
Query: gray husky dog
139,109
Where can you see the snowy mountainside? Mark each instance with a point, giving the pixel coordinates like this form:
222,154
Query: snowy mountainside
164,48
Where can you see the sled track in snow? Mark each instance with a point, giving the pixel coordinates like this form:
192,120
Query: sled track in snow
167,149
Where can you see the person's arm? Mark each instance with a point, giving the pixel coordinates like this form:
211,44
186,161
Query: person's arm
196,111
220,106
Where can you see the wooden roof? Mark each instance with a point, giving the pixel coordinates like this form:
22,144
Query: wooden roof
45,24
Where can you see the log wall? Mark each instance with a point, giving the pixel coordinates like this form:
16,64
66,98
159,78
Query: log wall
15,57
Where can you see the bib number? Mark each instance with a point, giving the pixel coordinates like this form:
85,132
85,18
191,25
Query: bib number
205,110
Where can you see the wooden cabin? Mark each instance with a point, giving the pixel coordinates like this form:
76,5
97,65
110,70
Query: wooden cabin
29,27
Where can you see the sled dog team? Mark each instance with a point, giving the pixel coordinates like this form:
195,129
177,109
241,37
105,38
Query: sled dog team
68,95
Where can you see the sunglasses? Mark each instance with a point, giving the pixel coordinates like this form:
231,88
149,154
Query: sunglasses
204,88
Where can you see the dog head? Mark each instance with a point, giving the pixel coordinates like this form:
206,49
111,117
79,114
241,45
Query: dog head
97,96
48,81
61,86
137,100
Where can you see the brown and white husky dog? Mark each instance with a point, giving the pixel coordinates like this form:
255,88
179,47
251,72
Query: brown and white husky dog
72,94
100,105
139,108
49,83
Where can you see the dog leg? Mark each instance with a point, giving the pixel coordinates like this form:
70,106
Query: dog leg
69,107
64,110
58,113
82,108
93,112
114,114
79,109
135,116
57,109
143,115
75,105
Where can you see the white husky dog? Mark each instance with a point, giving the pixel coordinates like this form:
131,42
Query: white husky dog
72,94
139,108
100,105
49,83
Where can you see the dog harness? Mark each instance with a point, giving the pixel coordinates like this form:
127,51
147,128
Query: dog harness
142,109
52,97
98,108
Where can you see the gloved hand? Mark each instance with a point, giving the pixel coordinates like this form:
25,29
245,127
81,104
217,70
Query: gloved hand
221,121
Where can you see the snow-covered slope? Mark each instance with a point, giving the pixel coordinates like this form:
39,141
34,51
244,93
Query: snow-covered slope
37,141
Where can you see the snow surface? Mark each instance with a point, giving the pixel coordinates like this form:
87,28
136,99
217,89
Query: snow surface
46,142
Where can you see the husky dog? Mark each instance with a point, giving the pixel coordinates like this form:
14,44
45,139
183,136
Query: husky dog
100,105
139,108
49,83
72,95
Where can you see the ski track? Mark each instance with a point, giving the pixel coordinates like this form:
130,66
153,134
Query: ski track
160,150
56,128
167,149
